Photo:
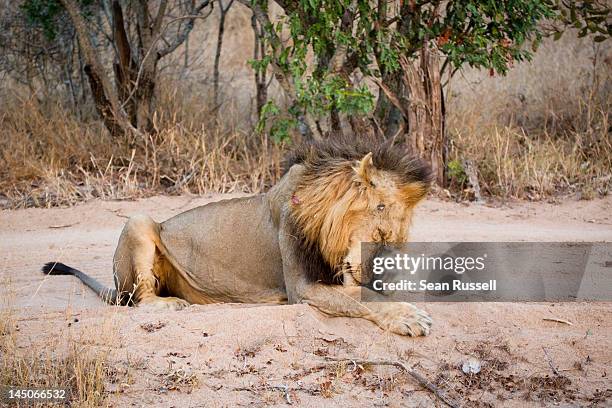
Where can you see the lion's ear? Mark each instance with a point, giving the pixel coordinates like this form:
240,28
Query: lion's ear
365,167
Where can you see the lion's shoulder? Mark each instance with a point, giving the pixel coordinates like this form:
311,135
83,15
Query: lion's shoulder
279,196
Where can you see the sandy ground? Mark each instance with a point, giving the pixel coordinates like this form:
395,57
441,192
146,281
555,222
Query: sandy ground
261,355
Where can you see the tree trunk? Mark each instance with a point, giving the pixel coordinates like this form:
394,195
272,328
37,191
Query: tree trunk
145,99
105,98
426,136
101,102
387,114
125,69
412,106
147,29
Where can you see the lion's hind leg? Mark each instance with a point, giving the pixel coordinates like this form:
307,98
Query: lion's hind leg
140,273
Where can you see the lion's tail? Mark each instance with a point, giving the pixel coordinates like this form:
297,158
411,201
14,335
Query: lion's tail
57,268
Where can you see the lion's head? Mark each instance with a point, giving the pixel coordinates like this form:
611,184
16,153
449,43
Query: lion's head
352,192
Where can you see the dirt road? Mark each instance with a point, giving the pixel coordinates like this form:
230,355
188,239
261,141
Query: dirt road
228,355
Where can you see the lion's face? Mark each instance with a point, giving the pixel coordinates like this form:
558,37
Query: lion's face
340,204
381,213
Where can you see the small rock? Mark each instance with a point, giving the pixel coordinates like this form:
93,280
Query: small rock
471,366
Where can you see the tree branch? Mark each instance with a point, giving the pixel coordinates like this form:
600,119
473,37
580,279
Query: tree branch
284,79
421,379
393,98
180,38
150,50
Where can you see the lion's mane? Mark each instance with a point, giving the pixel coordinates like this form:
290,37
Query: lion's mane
328,195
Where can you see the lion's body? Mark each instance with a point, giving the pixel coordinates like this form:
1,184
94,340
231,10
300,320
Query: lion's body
299,242
226,249
202,257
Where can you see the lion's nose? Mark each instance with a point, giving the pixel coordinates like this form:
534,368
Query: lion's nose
380,235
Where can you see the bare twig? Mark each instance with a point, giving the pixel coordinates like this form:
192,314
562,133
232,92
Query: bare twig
223,10
282,387
259,51
550,362
421,379
62,226
554,319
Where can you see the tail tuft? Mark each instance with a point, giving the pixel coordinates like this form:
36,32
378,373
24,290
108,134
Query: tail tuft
56,268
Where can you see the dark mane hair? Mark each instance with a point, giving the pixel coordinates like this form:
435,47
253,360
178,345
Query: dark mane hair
309,256
324,155
323,159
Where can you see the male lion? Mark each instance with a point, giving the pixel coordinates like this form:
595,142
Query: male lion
299,242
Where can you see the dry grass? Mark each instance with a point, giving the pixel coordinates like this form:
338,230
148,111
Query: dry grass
511,164
540,132
543,130
33,355
54,159
60,362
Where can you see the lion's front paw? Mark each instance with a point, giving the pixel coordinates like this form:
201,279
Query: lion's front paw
164,303
403,318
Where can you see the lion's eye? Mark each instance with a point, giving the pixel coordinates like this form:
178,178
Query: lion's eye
380,207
